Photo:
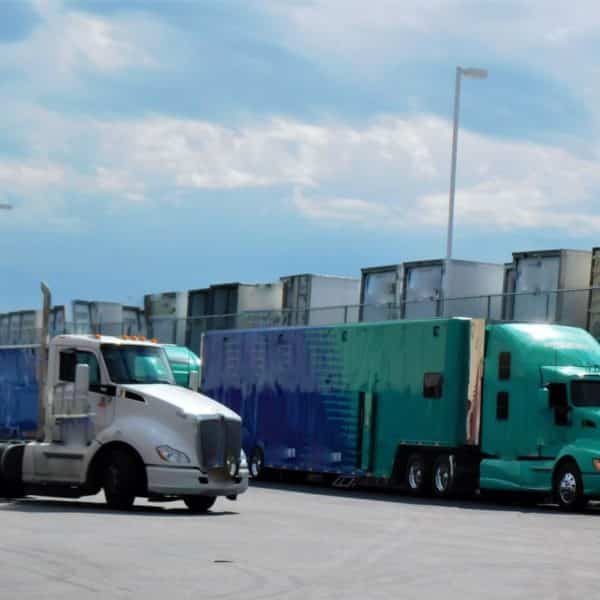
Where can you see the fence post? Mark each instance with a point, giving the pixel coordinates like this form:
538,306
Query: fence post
346,313
489,307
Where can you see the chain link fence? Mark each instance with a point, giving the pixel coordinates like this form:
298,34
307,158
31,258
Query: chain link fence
580,308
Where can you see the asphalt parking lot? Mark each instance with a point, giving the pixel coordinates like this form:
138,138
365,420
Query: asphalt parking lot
297,542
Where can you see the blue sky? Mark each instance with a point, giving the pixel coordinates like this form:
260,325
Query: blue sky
165,145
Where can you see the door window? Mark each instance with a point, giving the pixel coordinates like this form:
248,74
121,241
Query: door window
502,406
69,359
432,385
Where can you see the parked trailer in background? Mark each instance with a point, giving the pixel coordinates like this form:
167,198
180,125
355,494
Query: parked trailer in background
401,403
230,306
319,299
532,281
593,325
431,288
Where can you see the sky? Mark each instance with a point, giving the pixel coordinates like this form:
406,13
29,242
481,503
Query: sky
163,145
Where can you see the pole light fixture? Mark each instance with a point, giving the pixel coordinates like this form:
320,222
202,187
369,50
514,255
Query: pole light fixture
472,73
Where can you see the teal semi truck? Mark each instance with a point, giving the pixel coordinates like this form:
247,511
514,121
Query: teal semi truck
186,365
438,406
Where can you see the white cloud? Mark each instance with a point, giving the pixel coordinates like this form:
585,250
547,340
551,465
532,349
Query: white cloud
93,43
387,172
550,38
392,30
17,177
68,43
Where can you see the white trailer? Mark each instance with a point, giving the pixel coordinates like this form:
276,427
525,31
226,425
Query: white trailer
111,417
310,299
431,288
549,286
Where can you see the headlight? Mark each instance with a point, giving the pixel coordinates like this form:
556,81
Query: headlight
596,463
243,460
173,456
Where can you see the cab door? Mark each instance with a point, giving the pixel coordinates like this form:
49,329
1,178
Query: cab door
94,413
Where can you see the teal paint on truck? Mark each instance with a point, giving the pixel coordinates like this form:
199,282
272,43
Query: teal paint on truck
183,362
522,451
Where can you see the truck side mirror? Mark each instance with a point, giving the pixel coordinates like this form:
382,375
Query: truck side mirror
194,381
559,403
82,380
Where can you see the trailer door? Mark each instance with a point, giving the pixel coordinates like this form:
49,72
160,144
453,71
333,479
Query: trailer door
367,410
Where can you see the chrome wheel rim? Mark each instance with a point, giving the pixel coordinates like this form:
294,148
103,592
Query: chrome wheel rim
415,476
442,478
567,489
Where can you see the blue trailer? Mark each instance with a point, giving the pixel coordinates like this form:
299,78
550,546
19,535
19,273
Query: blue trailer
288,387
18,392
341,399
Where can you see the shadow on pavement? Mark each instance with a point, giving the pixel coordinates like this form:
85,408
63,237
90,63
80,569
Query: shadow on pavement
497,502
50,505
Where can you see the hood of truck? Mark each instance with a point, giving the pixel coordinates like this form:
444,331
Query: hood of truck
188,402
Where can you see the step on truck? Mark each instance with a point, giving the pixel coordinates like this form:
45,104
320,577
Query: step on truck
111,418
436,406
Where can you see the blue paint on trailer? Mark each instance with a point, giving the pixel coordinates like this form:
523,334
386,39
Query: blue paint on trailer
18,392
287,386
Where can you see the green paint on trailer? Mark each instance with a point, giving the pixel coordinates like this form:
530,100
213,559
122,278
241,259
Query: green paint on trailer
384,364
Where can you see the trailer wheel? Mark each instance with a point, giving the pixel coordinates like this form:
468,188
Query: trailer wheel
444,479
120,480
568,487
199,504
417,476
257,462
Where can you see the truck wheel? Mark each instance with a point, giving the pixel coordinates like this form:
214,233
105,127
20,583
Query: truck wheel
257,461
417,479
443,481
119,480
11,465
199,504
568,487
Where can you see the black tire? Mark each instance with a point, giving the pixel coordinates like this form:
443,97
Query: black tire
568,487
11,488
443,479
199,504
417,478
256,463
120,480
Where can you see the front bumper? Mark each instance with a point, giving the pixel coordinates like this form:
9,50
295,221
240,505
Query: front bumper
190,481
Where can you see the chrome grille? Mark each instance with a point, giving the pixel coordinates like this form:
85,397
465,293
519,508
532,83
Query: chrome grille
218,438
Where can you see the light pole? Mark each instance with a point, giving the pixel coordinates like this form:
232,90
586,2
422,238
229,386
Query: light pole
473,74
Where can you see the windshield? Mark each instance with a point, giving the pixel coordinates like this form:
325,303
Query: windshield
136,364
585,393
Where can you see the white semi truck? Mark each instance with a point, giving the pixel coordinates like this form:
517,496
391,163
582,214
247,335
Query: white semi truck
111,417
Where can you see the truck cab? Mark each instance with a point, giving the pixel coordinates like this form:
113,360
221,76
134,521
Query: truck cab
541,412
113,418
